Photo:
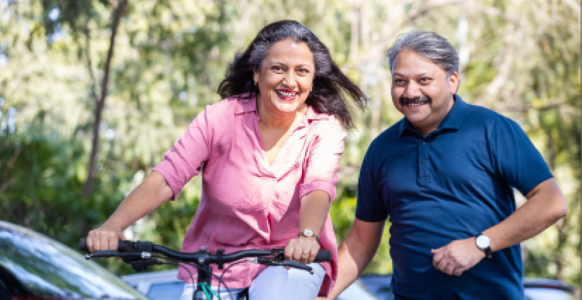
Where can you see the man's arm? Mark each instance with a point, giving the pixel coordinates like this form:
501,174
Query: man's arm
355,253
545,205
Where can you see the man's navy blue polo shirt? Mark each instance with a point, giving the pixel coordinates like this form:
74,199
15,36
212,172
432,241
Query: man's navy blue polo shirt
452,184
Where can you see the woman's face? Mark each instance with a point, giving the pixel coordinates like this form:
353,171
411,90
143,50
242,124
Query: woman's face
285,78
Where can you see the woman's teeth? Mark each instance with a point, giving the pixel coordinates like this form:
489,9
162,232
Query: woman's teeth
287,94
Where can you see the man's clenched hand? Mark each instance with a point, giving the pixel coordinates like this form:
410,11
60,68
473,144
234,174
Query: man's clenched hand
457,257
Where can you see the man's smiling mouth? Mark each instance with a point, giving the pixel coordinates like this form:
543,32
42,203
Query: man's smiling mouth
413,102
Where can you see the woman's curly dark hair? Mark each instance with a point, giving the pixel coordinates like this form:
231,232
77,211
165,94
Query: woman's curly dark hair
329,83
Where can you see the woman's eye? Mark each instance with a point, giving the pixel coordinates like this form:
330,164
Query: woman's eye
276,68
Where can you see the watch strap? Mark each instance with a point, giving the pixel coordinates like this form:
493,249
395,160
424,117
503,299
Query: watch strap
487,250
314,236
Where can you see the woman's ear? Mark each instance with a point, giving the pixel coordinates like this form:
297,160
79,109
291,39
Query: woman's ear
256,76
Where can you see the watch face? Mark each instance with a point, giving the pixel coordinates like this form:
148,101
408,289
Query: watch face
483,241
308,232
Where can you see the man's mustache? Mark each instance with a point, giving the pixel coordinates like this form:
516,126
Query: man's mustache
417,100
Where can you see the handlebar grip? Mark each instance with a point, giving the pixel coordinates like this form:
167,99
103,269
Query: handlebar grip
105,253
323,256
83,245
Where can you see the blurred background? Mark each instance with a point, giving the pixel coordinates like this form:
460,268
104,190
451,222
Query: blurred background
93,92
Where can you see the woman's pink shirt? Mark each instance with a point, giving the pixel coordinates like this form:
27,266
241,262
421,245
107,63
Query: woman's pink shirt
247,203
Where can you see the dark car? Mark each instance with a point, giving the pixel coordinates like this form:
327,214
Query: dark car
33,266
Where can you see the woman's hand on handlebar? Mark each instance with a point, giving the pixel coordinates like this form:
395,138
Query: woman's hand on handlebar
146,197
105,237
302,249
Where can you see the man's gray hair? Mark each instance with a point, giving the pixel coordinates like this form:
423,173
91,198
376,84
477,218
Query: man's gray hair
429,45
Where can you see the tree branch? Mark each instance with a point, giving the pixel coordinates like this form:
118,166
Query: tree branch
118,13
90,65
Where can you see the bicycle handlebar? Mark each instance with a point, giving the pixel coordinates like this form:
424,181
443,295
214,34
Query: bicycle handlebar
219,258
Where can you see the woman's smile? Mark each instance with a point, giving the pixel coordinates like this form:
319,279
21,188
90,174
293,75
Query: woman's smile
286,95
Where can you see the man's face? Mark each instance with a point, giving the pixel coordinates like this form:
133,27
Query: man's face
421,90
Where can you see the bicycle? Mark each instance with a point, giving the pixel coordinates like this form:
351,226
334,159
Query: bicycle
139,255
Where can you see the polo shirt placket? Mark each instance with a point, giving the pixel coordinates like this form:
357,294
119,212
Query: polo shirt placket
423,162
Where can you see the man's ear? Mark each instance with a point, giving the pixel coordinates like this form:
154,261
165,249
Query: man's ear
453,82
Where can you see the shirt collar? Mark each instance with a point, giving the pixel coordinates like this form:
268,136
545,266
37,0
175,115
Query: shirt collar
247,103
453,120
311,114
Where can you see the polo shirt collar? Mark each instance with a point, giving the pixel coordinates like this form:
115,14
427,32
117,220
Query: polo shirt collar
453,120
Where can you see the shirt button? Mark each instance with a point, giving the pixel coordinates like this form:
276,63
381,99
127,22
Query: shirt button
422,161
424,143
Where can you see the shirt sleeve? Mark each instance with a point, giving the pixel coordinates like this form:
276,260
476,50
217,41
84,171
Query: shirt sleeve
185,159
517,160
370,206
324,161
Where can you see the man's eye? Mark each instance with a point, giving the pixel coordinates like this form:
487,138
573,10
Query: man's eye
425,79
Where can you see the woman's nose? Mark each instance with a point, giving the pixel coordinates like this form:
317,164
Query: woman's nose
289,79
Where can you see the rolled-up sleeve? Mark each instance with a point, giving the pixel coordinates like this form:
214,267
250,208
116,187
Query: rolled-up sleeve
184,160
324,161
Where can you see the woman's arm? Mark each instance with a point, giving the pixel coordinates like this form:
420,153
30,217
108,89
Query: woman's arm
317,189
150,194
313,213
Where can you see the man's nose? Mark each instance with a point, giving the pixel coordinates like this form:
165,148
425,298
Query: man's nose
413,90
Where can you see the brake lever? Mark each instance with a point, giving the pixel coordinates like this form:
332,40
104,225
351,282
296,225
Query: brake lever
104,253
297,265
113,253
283,263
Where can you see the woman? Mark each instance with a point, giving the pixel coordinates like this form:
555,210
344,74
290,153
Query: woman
268,153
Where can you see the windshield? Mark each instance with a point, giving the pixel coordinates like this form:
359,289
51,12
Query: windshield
49,268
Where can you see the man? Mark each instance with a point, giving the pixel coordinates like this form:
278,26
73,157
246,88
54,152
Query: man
444,175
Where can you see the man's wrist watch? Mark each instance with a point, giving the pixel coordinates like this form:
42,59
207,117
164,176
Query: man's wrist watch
483,242
308,234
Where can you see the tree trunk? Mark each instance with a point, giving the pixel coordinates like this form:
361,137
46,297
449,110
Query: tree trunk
119,10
